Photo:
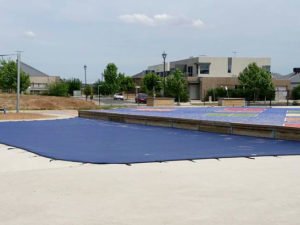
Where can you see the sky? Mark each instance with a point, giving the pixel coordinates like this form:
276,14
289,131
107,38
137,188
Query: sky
59,37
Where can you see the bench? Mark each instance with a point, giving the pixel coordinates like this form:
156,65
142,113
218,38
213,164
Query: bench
3,110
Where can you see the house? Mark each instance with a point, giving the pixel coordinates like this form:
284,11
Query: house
294,77
204,72
39,81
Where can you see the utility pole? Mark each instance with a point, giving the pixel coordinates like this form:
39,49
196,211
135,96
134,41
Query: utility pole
164,55
85,74
18,81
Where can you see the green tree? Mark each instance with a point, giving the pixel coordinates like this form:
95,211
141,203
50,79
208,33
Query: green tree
103,88
176,86
8,77
74,84
296,92
152,83
125,83
88,91
111,78
257,81
58,89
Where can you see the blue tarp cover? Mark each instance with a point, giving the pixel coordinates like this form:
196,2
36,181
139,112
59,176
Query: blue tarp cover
94,141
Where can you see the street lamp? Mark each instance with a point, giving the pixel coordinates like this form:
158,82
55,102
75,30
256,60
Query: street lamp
164,55
84,67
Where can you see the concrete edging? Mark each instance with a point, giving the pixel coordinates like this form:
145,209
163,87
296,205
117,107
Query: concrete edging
254,130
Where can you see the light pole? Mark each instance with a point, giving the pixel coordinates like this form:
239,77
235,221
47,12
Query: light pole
84,67
164,55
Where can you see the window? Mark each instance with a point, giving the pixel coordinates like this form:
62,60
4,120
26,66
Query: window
190,71
204,68
229,65
267,68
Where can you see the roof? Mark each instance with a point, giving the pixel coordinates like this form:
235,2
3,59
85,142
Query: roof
278,76
32,71
141,74
293,77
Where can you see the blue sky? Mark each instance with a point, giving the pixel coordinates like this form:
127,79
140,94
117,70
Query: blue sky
60,36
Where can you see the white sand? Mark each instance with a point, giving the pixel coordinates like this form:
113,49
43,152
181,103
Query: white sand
35,191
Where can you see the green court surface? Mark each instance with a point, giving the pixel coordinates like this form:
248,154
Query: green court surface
232,114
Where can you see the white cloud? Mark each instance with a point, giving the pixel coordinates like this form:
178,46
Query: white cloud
138,18
29,34
198,23
161,19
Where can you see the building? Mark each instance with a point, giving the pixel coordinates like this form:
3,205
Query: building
204,73
293,77
39,81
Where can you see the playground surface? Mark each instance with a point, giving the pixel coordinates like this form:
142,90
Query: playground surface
289,117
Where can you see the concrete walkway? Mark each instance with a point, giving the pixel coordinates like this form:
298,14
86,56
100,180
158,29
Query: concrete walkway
230,191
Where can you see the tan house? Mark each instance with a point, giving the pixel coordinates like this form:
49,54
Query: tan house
39,81
204,73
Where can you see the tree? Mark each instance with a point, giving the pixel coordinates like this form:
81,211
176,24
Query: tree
111,78
8,77
88,91
296,93
125,83
58,89
152,83
176,86
74,84
257,81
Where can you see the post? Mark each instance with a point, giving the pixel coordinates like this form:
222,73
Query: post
287,96
164,55
99,93
84,74
18,81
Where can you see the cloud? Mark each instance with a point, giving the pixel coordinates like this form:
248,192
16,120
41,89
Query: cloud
29,34
160,20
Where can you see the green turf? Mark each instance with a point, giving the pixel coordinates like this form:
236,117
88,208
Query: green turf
232,114
294,111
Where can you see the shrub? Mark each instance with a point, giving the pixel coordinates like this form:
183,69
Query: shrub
58,89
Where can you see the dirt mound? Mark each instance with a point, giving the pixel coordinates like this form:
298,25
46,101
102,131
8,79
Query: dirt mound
36,102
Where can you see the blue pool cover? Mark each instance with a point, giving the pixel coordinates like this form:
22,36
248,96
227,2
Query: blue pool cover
92,141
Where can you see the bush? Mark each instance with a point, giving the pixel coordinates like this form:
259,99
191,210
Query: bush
240,92
58,89
74,84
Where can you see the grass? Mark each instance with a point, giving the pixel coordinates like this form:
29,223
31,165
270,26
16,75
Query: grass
39,102
294,111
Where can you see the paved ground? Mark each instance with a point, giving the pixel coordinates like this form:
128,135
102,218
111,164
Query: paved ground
36,191
231,191
249,115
